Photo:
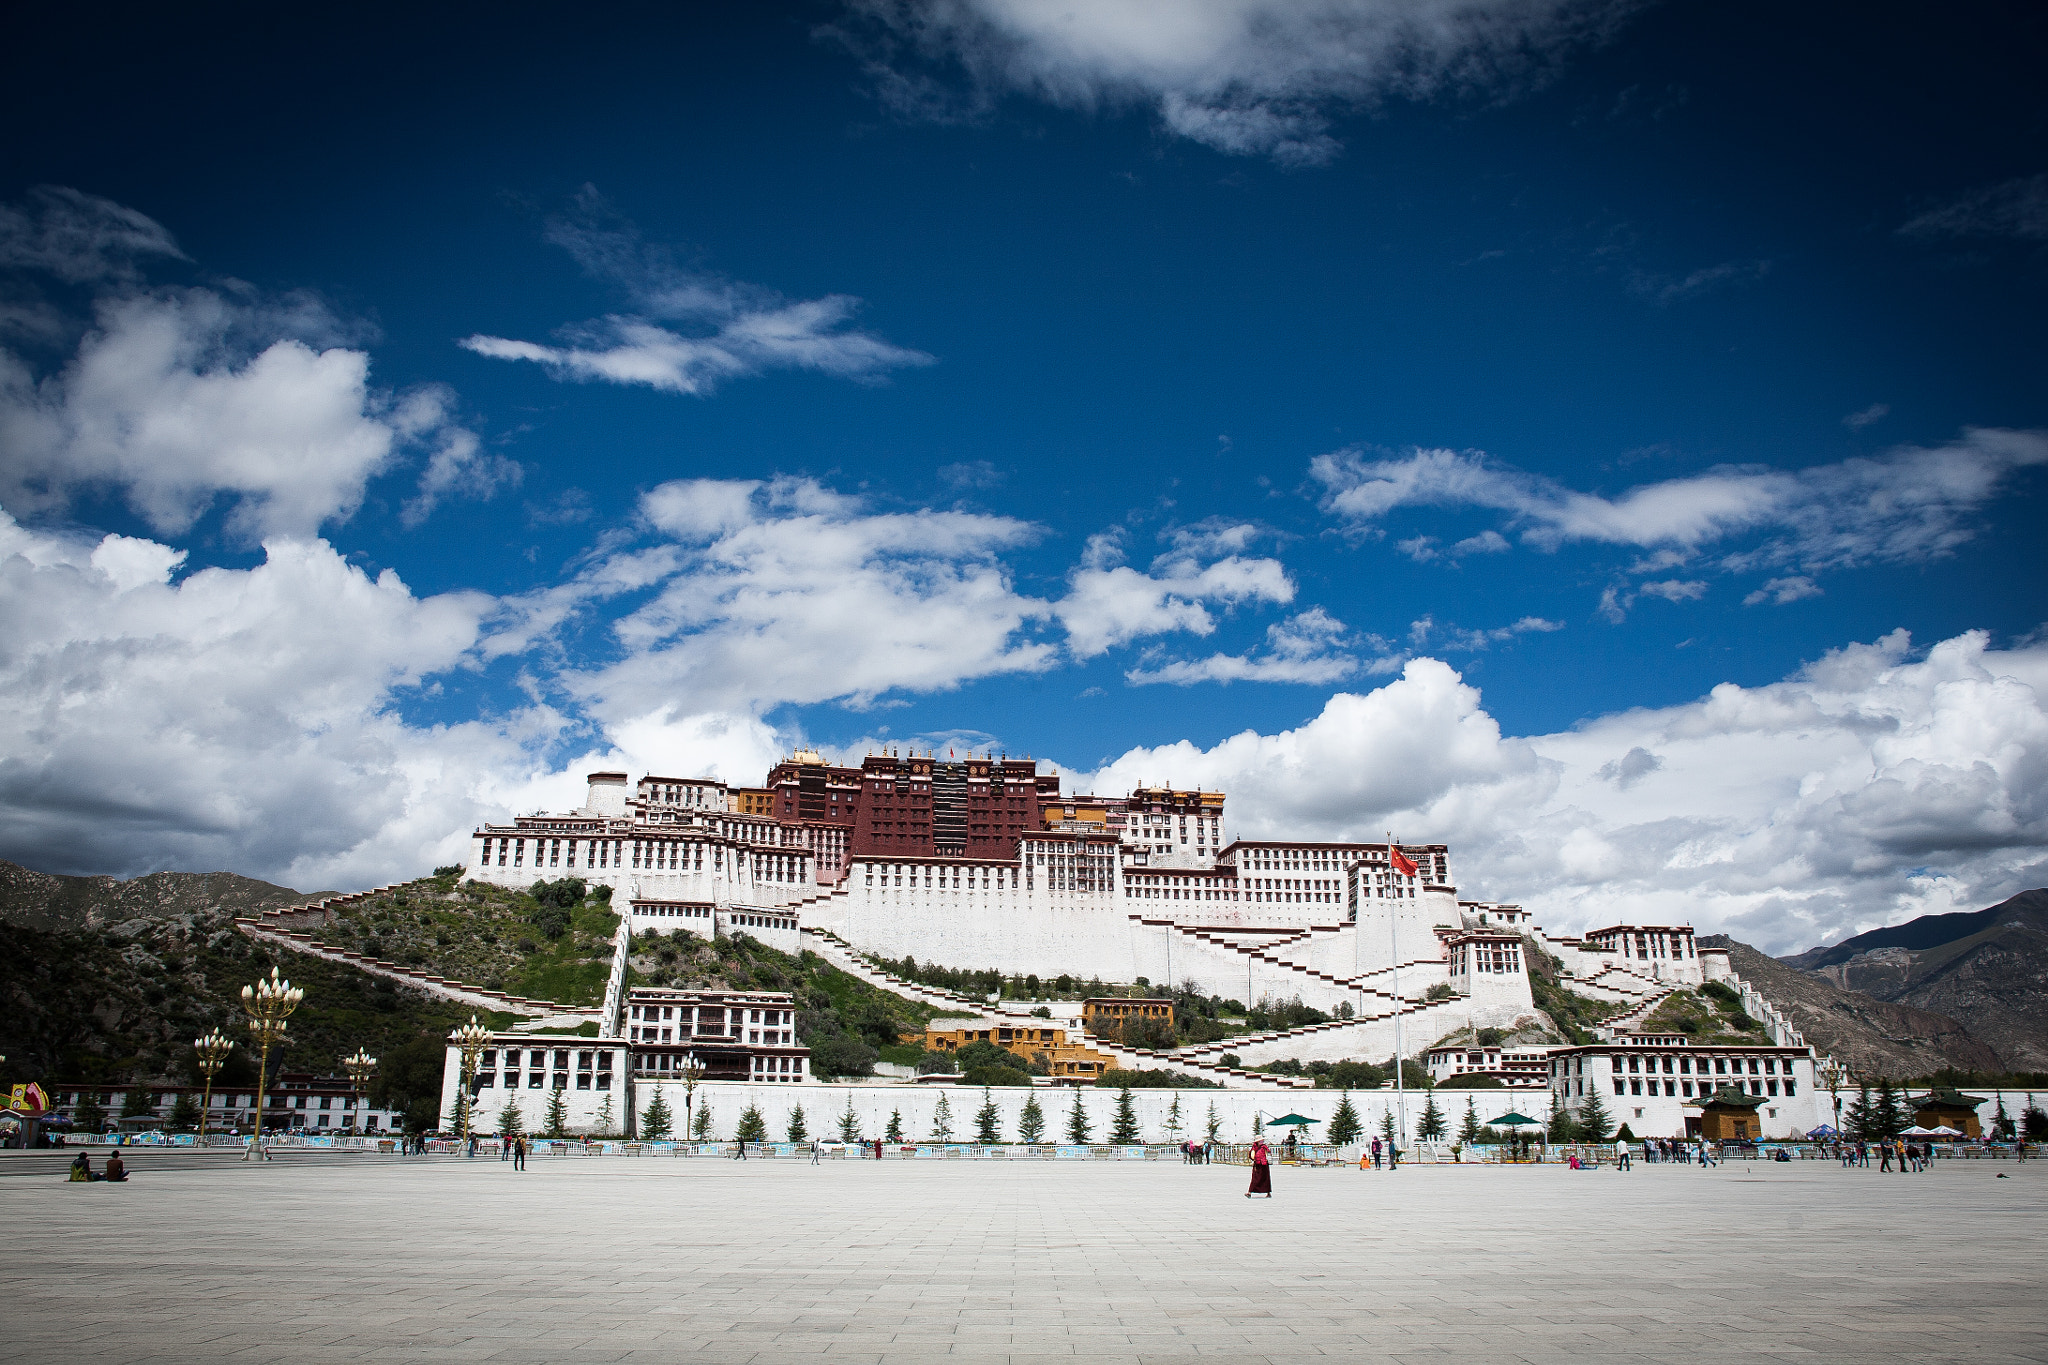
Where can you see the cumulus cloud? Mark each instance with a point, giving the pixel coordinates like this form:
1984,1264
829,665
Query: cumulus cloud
687,331
1245,77
1869,787
1912,504
1307,648
2016,208
1108,603
178,399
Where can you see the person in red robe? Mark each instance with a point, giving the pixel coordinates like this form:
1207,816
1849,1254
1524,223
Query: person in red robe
1262,1169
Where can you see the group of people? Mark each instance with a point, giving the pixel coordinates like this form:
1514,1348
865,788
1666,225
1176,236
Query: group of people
81,1169
1911,1156
1196,1153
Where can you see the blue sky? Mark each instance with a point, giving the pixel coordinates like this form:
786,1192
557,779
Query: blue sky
721,378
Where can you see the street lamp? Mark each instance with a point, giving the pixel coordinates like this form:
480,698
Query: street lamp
692,1071
471,1038
1831,1076
360,1068
213,1052
267,1003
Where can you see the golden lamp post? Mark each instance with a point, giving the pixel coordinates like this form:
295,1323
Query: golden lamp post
471,1038
693,1073
267,1003
360,1068
213,1052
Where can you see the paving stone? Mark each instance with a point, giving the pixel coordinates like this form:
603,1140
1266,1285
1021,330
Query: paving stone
595,1260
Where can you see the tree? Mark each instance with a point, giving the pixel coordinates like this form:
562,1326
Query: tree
753,1128
607,1120
1124,1128
658,1122
1858,1119
1561,1129
1388,1134
2035,1122
557,1122
1891,1117
137,1103
184,1113
986,1118
1031,1123
798,1129
1214,1128
700,1126
942,1120
849,1122
2001,1123
1468,1127
89,1116
510,1121
1078,1128
894,1133
1593,1119
1173,1124
1432,1127
1344,1124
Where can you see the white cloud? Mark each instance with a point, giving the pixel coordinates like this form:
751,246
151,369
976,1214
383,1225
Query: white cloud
1307,648
1912,504
2016,208
1875,413
1108,603
179,398
1246,77
1665,290
79,238
1869,787
1779,591
1676,589
1485,543
689,332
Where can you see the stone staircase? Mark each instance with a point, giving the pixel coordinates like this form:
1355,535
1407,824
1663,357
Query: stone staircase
462,993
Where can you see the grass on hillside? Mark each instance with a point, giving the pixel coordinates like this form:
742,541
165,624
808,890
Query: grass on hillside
1712,1014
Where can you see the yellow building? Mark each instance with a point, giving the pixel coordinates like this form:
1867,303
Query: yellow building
1062,1058
1117,1012
752,800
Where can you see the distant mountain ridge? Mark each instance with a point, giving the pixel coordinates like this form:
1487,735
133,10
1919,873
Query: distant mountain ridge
1986,968
49,901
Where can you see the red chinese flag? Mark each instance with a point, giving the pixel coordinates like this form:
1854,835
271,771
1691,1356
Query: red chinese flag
1402,863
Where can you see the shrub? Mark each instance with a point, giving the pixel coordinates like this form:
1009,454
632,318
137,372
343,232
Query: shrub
1440,991
997,1076
1160,1079
452,870
1473,1083
1350,1076
1230,1059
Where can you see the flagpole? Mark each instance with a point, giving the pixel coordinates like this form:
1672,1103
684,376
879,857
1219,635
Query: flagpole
1394,945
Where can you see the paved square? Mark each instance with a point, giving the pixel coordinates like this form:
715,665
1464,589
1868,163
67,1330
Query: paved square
593,1260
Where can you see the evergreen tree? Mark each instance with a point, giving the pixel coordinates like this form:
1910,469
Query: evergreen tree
510,1121
1891,1116
1432,1126
849,1122
556,1124
1031,1123
798,1130
184,1113
986,1118
2001,1123
1173,1126
753,1128
1345,1126
2036,1124
1214,1128
657,1123
1468,1127
1078,1128
607,1122
89,1116
1593,1120
1858,1119
1123,1130
1561,1129
1387,1133
942,1120
700,1126
137,1103
894,1132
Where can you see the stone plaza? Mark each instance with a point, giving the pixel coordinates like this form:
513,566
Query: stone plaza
442,1259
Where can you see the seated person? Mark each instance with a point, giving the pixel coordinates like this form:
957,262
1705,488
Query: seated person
115,1170
81,1168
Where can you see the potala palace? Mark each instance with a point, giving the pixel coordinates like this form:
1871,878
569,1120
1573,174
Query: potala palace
984,863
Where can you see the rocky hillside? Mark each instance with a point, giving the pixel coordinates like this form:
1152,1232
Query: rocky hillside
1987,968
1871,1037
43,900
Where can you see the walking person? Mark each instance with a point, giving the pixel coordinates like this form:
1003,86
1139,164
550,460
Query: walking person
1884,1157
1262,1169
814,1151
519,1153
1375,1153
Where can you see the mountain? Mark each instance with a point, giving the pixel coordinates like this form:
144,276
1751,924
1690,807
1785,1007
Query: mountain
1869,1036
43,900
1986,968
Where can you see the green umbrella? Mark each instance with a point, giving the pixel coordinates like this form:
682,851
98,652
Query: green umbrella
1294,1120
1514,1120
